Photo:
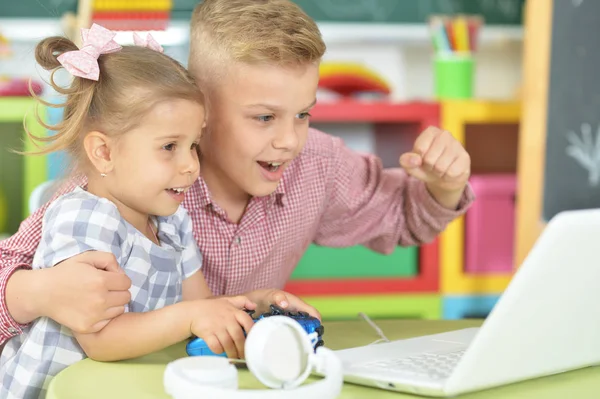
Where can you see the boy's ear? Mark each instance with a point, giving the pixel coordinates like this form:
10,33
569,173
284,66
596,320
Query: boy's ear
98,150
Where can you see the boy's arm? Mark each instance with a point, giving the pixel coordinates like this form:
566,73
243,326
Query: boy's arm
376,207
28,294
17,300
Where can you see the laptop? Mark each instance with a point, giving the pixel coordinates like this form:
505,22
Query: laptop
547,321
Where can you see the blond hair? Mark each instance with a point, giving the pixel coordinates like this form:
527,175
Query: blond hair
131,82
250,31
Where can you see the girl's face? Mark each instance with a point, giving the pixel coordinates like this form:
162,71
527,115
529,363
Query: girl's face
258,123
154,164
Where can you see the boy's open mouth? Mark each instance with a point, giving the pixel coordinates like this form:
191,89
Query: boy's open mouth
270,166
178,190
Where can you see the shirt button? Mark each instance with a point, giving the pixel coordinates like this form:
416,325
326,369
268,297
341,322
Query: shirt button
13,330
238,240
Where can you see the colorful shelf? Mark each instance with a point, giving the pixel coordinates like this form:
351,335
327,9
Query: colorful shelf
455,116
423,306
425,280
27,172
381,111
441,277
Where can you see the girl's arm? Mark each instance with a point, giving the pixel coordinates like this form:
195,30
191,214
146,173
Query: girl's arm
220,322
195,287
194,284
132,334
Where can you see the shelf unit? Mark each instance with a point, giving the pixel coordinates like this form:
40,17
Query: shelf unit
403,296
18,175
441,288
456,115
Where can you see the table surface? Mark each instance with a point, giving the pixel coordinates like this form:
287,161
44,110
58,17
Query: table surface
143,377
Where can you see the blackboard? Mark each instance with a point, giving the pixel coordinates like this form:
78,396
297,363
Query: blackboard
572,162
36,8
495,12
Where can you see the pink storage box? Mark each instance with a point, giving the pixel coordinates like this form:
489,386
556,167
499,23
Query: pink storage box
490,224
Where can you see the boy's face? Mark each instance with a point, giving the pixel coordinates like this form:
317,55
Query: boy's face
257,124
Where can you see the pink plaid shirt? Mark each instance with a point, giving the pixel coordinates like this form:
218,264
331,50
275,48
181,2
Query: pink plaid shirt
328,195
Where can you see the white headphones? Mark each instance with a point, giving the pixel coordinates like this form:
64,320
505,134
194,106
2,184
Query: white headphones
279,353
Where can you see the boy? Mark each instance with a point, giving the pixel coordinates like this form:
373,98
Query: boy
270,185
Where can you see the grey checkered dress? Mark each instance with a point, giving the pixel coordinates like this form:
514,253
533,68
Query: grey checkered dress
79,222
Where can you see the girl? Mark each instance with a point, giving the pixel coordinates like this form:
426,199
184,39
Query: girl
132,123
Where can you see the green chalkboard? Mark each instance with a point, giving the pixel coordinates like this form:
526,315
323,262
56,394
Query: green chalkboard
495,12
35,8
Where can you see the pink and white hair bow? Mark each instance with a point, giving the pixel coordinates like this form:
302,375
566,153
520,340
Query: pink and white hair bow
148,42
84,62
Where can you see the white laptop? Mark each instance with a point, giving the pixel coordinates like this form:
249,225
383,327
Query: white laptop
546,322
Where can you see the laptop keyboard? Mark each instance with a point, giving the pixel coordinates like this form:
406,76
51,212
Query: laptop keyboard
437,366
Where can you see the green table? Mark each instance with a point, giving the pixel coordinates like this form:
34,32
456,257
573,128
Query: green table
142,378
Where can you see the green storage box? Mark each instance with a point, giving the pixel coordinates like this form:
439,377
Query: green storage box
355,262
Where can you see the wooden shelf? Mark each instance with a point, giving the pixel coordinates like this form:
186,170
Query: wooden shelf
456,116
426,281
375,112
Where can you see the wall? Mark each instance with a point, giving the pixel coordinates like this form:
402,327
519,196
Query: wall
401,54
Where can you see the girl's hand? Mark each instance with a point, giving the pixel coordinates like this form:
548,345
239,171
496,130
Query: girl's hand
221,323
265,297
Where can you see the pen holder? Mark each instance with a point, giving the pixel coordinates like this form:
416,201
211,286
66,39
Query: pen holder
453,74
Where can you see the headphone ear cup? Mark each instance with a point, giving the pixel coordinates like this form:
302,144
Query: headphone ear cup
184,376
279,352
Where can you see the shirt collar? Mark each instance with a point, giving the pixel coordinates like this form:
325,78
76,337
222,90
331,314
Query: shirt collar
199,195
278,196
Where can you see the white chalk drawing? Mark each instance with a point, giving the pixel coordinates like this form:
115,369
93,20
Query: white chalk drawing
357,8
586,152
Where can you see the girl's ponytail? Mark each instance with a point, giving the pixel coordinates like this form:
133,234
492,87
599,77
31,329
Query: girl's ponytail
79,99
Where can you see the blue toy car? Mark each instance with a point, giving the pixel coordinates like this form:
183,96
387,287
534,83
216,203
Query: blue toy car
197,346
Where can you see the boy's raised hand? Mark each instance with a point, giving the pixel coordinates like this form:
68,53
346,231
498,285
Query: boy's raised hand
221,323
265,297
439,160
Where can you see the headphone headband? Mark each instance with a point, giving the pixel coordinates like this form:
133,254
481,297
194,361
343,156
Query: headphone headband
216,378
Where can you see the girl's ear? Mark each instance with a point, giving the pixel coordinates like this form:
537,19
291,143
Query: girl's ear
98,150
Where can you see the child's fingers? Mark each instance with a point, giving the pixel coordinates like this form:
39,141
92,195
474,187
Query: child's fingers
312,311
113,312
227,343
443,164
102,261
425,140
280,299
237,336
241,302
249,304
99,325
410,160
459,168
299,304
245,321
435,152
213,344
